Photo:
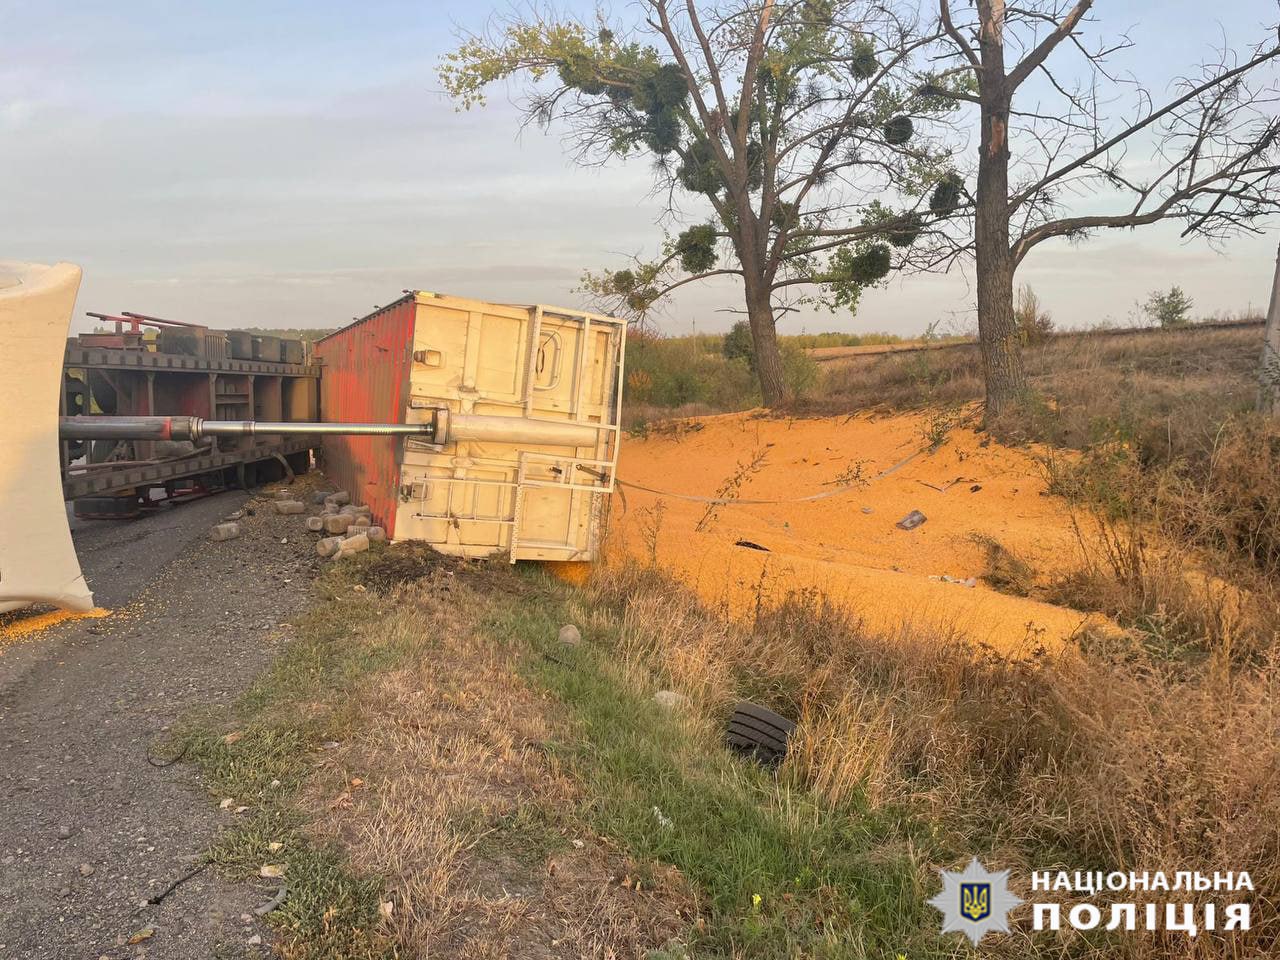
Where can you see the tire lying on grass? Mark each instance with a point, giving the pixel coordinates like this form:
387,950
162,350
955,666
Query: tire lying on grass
758,733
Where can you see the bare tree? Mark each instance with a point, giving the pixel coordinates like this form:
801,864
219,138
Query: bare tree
1208,152
795,136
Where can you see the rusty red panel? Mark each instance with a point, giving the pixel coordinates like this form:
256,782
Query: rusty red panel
365,378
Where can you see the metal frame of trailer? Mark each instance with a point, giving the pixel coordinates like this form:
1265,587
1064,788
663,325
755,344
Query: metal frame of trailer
146,382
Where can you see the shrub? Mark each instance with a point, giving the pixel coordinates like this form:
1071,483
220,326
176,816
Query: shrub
1033,322
1171,309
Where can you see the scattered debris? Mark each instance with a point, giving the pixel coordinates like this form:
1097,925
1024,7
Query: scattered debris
271,871
663,820
146,933
670,699
759,733
289,507
274,902
226,804
911,520
224,531
969,582
338,522
352,544
328,546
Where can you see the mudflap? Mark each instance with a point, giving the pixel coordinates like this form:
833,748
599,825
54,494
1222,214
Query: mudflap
38,562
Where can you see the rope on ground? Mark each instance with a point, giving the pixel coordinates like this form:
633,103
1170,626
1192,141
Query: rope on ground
738,502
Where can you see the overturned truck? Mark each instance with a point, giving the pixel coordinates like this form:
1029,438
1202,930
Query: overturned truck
479,428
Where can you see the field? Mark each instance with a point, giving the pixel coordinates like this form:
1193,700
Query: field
1070,665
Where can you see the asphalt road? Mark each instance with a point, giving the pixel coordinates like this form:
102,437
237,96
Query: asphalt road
89,830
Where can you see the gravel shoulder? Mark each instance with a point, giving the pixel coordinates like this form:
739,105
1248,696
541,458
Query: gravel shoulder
91,829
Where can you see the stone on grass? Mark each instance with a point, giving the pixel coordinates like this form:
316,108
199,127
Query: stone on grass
570,635
354,544
669,699
328,546
337,523
224,531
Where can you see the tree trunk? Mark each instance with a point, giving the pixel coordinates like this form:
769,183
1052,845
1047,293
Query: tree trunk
1269,371
997,331
764,338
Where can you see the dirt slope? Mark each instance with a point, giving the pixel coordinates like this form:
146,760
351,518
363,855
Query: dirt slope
848,545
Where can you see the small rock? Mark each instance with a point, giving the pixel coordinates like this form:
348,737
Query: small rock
271,871
315,524
224,531
911,520
255,940
64,832
338,523
578,844
669,699
867,510
376,534
86,870
64,892
338,498
328,546
570,635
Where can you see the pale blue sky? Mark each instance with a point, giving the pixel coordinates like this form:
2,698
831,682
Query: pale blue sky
289,163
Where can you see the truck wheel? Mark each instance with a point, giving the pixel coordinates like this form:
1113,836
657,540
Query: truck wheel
759,733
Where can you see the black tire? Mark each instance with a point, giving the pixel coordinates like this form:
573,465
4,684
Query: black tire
759,733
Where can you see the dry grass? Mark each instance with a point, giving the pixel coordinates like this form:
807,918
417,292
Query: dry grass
1167,390
463,813
1080,760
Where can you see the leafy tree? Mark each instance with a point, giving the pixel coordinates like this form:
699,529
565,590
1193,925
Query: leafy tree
1207,154
1171,309
737,343
792,139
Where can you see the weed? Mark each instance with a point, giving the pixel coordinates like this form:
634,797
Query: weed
730,489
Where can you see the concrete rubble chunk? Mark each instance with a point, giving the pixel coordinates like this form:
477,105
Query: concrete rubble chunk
362,521
570,635
352,545
375,534
337,523
328,546
289,506
338,498
224,531
320,496
348,510
315,524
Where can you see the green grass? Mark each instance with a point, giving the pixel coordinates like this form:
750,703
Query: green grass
779,874
278,725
